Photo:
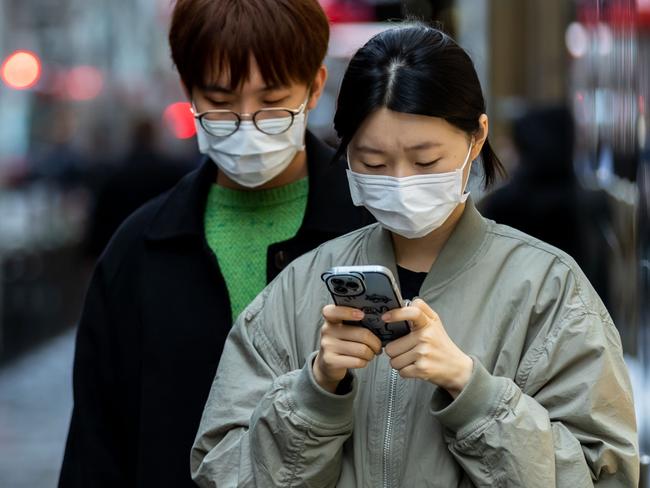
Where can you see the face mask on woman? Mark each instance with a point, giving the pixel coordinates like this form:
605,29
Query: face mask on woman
249,156
412,206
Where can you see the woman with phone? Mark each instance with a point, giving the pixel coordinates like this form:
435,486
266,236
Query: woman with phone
512,373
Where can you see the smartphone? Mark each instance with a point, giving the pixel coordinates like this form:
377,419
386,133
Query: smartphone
373,290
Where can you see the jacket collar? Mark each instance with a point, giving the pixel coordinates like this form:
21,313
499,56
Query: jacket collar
459,252
182,209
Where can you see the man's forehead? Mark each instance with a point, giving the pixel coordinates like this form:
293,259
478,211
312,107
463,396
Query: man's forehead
250,79
244,86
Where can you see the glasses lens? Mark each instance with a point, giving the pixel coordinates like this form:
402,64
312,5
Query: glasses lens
273,121
220,124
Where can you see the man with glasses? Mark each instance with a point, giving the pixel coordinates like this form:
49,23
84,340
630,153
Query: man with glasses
177,273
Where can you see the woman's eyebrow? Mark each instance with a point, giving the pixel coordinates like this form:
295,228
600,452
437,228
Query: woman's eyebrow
416,147
368,150
424,145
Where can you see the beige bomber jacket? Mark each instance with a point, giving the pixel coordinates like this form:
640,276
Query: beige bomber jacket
549,402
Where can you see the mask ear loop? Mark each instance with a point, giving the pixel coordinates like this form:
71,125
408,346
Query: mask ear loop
462,169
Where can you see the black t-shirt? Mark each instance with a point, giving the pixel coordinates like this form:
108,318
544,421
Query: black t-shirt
410,282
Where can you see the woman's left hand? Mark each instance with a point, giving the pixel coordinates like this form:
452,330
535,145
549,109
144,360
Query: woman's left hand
427,353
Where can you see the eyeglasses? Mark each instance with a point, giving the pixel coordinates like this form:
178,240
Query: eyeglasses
271,121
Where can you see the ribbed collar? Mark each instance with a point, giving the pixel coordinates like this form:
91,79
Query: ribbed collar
220,196
459,252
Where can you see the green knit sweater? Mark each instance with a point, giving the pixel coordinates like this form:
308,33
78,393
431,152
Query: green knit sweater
240,226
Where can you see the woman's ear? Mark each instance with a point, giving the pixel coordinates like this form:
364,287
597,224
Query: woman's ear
480,136
317,87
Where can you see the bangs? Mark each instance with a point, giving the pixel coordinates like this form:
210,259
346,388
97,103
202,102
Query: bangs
287,38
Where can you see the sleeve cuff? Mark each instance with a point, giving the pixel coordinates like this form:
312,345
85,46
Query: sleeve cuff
319,404
475,404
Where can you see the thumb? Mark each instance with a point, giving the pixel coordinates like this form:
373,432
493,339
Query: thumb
422,305
423,318
426,310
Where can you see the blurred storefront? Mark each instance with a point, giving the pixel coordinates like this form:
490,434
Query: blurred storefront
592,56
610,90
609,86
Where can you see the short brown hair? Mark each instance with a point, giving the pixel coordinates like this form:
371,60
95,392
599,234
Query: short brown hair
287,38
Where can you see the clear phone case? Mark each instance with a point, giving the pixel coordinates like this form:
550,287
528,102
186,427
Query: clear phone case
373,290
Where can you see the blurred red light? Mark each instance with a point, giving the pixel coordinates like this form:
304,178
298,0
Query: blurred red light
178,117
643,13
84,83
641,105
341,11
21,70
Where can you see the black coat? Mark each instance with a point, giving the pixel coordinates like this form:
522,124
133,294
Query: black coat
153,327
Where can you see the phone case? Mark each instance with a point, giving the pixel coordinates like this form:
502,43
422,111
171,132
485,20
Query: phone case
373,290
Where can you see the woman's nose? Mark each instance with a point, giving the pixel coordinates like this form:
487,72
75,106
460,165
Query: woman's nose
402,170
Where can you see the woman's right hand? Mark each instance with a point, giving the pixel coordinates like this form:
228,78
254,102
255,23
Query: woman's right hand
342,347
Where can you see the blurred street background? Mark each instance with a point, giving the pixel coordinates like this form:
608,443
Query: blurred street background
93,123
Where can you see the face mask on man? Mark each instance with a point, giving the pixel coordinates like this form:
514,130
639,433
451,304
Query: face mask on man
412,206
249,156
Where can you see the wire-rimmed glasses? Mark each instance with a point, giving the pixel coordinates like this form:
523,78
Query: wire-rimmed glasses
270,121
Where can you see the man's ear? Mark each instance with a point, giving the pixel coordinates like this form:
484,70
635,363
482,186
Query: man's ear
317,87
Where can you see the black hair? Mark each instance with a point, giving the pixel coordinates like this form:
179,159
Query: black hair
413,69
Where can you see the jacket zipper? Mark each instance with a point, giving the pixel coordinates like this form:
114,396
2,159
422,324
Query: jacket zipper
389,426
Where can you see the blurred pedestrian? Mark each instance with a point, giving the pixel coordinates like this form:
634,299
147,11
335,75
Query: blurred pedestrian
143,174
544,199
168,286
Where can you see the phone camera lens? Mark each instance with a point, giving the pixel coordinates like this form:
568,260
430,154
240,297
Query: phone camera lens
352,285
341,290
337,281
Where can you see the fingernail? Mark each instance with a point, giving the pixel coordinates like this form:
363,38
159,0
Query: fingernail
358,314
386,317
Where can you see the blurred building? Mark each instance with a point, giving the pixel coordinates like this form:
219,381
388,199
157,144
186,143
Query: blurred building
97,70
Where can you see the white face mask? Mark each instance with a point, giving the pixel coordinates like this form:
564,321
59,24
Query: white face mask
250,157
412,206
